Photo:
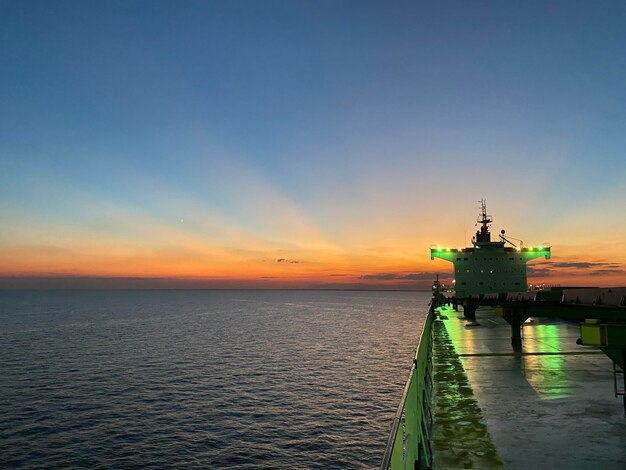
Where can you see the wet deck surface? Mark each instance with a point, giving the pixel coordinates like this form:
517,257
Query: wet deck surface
551,407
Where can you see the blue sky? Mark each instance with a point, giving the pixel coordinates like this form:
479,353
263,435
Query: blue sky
306,128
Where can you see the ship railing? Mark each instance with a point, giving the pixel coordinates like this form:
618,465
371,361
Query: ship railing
408,445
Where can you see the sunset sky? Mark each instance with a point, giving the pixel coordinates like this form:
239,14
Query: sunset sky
307,144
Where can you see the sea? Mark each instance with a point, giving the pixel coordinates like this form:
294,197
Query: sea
211,379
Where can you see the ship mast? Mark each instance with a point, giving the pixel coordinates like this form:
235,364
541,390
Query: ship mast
483,235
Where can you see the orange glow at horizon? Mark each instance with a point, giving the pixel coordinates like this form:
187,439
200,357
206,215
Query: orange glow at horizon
268,267
265,237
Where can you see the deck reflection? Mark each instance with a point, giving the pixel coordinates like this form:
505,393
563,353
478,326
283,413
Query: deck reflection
550,406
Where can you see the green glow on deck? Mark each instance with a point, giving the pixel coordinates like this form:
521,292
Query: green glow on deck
460,437
545,373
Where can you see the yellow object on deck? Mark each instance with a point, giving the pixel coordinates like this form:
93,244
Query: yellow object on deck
593,333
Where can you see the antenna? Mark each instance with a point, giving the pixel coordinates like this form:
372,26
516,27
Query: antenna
483,235
483,218
506,239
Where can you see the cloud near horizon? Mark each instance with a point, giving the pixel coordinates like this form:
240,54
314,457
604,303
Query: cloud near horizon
419,276
546,269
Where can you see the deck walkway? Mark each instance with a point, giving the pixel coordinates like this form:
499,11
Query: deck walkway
550,407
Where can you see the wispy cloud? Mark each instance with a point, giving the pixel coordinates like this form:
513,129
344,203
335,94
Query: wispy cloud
539,272
602,272
419,276
583,265
285,260
546,269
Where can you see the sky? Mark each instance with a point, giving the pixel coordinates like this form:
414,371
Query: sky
307,144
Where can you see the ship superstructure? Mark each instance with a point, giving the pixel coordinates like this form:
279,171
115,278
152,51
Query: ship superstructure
490,267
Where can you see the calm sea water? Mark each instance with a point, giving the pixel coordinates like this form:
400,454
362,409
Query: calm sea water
202,379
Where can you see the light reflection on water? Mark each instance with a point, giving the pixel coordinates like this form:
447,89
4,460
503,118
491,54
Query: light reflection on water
264,379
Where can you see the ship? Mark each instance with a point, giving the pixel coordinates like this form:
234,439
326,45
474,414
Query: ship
510,377
489,267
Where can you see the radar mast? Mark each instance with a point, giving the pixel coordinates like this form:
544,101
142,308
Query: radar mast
483,235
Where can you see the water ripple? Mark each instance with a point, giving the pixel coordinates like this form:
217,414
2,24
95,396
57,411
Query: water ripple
202,379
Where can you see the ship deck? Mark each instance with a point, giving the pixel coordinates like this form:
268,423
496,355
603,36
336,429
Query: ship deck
550,406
